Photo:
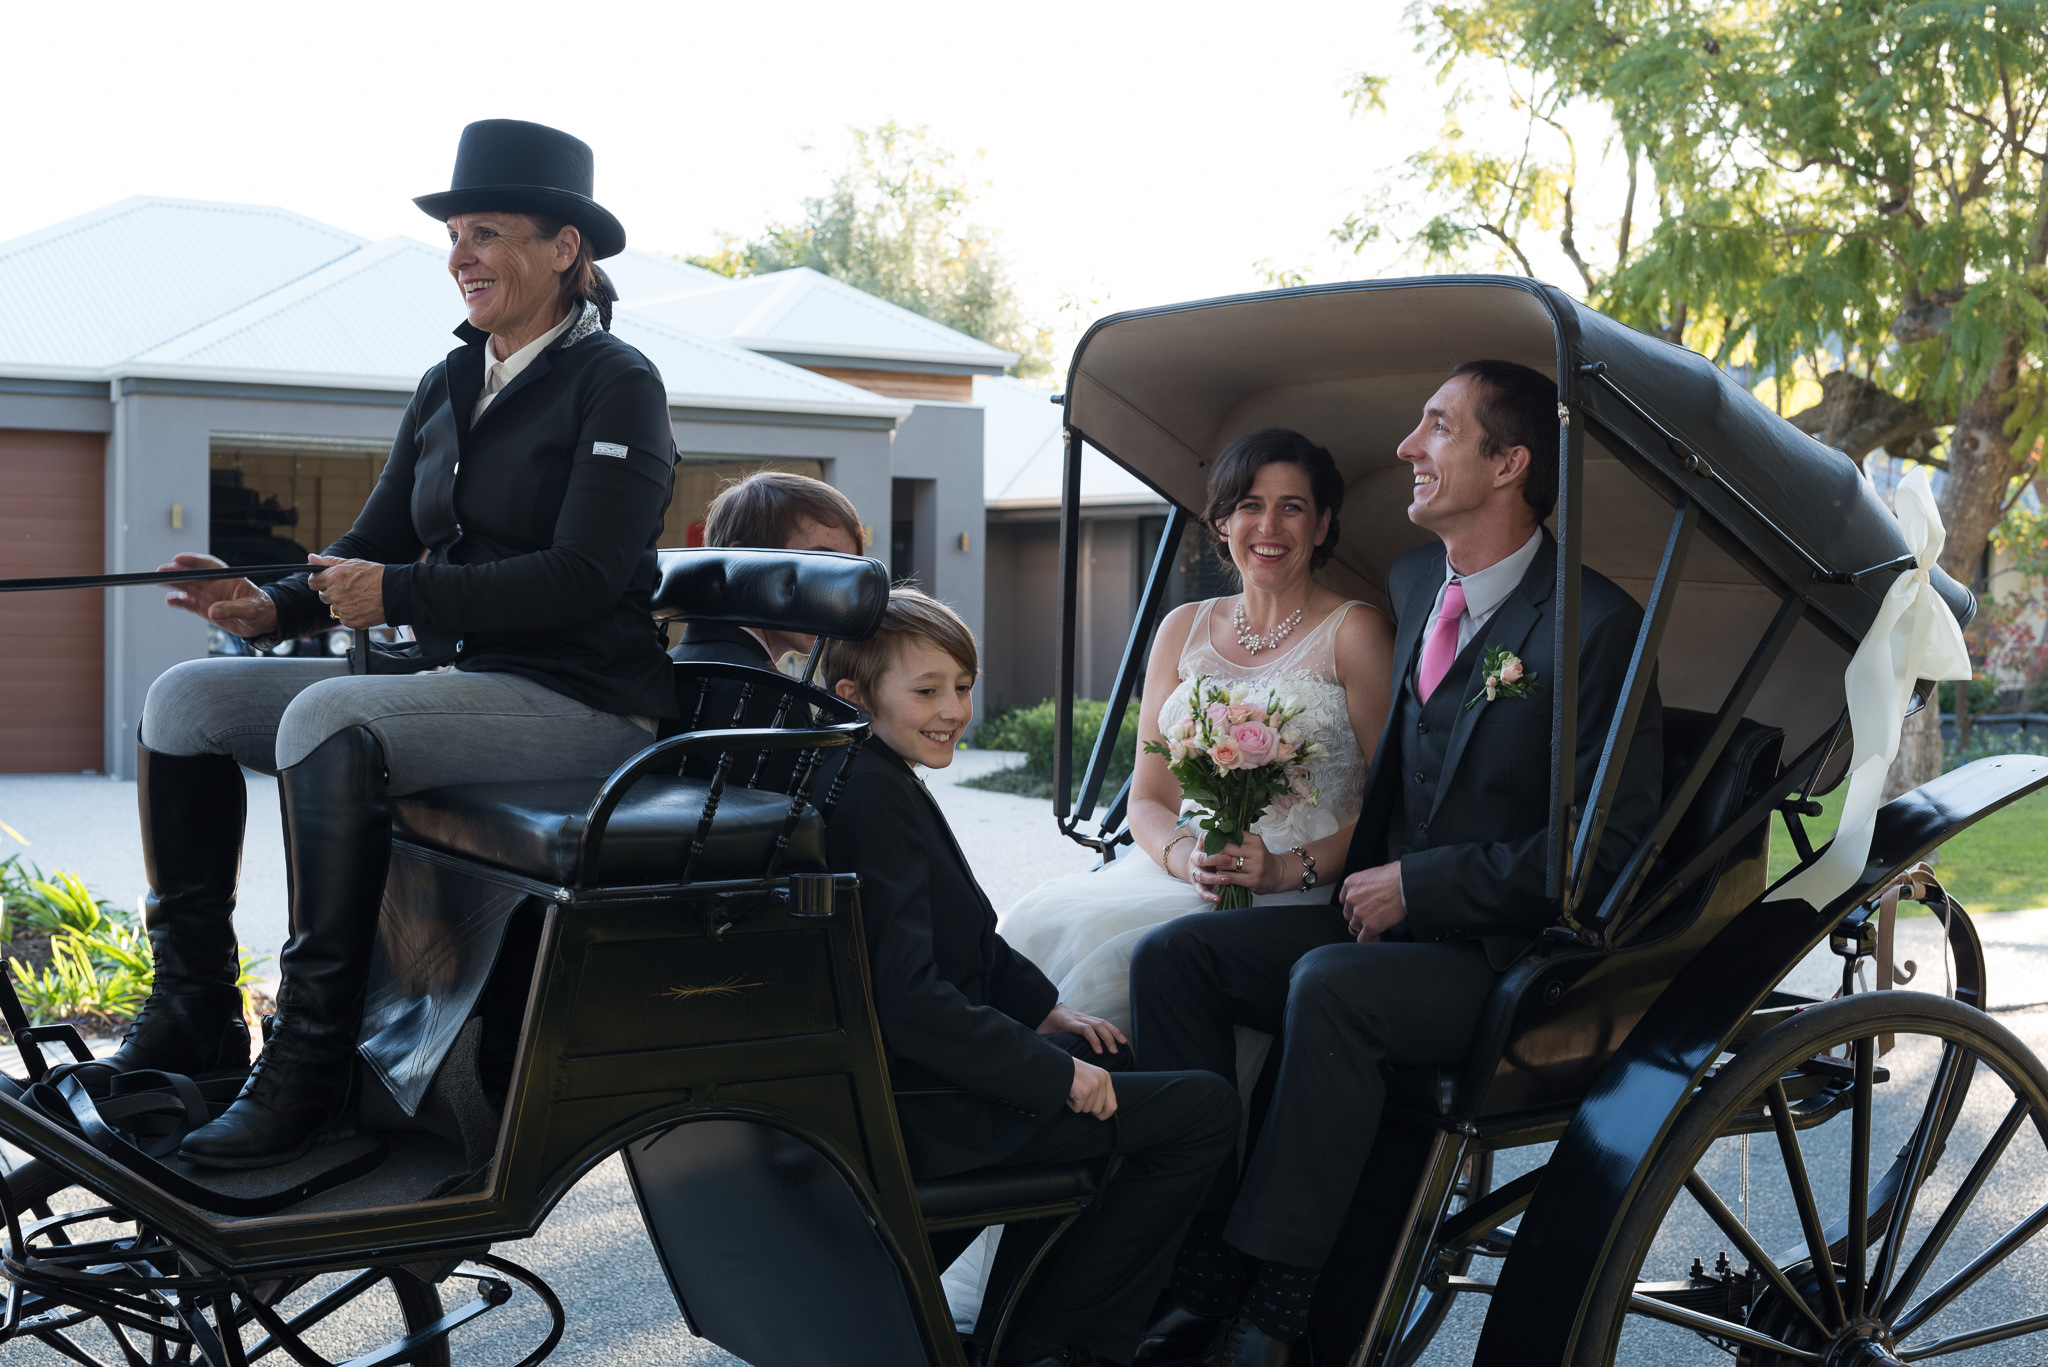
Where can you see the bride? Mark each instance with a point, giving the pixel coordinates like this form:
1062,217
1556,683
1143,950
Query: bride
1274,499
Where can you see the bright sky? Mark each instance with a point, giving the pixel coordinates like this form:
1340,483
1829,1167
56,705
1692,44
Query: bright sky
1138,153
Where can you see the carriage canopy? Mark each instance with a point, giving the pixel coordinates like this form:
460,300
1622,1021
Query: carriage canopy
1162,391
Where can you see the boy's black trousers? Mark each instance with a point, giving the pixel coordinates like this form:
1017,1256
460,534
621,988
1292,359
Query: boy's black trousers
1099,1284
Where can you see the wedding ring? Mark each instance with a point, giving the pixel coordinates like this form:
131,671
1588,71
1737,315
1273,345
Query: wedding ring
1240,862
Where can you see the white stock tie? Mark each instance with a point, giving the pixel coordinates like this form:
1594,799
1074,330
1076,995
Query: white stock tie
1914,637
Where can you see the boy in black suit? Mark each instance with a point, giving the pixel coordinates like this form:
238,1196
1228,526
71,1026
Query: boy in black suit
777,511
959,1008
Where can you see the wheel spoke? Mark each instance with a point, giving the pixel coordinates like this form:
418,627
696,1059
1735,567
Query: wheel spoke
1919,1154
1976,1338
1969,1276
1859,1170
1802,1197
1720,1328
1952,1214
1717,1210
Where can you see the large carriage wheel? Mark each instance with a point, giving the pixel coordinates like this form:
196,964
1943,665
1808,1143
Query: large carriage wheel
1840,1146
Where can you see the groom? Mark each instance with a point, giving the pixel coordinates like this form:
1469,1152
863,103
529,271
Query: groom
1445,881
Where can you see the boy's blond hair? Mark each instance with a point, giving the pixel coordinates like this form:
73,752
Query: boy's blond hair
912,615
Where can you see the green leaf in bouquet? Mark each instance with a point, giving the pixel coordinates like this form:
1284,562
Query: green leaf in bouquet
1214,841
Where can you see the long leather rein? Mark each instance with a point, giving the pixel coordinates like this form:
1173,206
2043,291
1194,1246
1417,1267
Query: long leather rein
117,581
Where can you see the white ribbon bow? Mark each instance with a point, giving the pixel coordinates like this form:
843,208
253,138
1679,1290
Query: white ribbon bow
1914,637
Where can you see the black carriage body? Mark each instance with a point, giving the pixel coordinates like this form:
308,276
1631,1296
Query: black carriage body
1761,558
688,985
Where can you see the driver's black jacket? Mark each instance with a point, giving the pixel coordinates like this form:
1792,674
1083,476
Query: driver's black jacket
958,1007
539,526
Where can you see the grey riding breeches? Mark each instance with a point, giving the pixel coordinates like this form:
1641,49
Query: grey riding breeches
436,728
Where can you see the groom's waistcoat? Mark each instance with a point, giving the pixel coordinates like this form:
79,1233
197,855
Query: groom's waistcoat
1425,732
1461,796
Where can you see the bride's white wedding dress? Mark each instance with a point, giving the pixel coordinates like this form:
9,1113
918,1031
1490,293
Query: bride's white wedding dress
1081,930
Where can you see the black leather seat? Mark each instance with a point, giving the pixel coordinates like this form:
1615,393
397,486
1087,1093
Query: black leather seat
974,1197
534,828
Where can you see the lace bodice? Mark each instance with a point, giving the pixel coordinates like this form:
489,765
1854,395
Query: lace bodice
1305,674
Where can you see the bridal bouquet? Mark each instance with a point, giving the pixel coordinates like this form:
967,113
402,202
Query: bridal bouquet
1242,764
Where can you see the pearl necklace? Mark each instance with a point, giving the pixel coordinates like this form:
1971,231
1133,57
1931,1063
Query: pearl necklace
1251,641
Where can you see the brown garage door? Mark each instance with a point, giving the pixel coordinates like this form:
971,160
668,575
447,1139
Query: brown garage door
52,521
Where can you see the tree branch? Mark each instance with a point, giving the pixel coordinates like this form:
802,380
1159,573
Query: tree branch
1628,210
1509,243
2003,135
1571,248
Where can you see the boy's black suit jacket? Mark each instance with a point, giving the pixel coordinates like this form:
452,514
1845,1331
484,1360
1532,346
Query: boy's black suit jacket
958,1007
719,643
1478,870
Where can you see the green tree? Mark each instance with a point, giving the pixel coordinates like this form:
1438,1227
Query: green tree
896,223
1855,193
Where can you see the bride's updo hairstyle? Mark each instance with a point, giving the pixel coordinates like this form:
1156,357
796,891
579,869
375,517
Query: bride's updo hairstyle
1239,463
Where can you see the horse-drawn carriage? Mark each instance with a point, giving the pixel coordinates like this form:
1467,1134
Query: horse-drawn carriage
678,976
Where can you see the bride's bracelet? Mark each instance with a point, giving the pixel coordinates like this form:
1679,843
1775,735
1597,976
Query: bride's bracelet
1166,854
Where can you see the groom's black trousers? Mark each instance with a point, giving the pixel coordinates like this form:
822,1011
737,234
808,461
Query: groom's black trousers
1341,1009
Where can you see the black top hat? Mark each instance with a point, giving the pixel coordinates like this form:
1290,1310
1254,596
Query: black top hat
511,166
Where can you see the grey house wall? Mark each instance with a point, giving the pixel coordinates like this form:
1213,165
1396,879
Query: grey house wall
56,405
163,432
1023,606
942,442
160,438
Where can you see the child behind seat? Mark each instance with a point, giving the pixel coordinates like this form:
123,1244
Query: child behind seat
959,1009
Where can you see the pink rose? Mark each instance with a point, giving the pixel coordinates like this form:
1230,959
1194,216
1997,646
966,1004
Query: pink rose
1237,714
1176,751
1218,714
1511,672
1257,742
1301,782
1284,753
1226,754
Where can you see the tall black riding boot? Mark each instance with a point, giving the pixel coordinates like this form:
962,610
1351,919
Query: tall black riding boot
193,808
337,821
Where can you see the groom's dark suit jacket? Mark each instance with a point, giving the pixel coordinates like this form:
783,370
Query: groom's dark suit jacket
958,1007
1461,796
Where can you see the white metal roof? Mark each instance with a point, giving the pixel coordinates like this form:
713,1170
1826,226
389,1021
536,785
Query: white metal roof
228,292
639,275
802,312
1024,460
97,289
381,317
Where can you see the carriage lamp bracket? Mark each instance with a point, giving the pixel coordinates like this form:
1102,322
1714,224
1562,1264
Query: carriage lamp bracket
1856,937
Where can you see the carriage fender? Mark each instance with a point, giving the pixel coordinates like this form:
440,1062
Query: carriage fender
1537,1313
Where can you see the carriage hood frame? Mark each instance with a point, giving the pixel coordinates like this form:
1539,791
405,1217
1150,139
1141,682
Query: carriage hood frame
1760,554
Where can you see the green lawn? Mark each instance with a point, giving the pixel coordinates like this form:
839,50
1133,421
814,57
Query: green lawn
2000,864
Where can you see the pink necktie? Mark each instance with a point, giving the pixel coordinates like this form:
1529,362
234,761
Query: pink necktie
1442,646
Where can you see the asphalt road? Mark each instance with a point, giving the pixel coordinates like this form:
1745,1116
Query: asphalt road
595,1254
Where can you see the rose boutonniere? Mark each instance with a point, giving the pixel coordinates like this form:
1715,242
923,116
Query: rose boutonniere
1506,677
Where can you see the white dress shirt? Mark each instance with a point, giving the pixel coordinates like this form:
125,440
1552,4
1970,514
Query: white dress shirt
1485,590
498,374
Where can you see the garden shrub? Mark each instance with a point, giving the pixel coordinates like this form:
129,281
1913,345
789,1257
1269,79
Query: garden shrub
1033,730
99,967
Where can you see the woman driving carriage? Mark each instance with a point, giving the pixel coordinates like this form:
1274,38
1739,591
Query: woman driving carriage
528,586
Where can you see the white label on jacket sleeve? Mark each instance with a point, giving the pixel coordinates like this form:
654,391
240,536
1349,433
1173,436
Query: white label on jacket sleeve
607,448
